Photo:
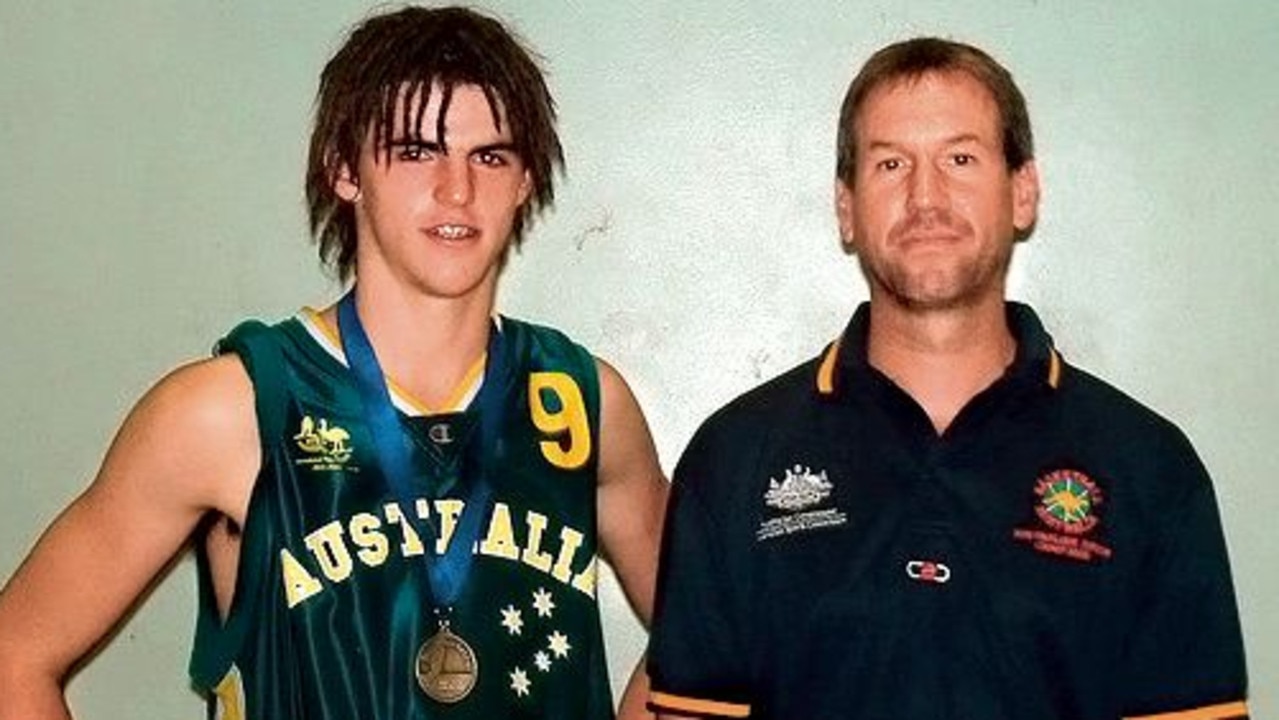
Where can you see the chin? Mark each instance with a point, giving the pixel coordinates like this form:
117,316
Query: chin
454,286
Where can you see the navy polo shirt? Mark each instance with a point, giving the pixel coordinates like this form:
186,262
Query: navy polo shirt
1056,553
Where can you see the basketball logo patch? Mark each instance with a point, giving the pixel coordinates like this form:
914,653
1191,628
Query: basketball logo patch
1067,501
1067,504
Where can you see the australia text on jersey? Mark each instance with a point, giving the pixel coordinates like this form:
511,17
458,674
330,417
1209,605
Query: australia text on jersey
366,540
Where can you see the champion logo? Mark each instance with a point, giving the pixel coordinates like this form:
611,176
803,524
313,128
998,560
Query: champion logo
441,433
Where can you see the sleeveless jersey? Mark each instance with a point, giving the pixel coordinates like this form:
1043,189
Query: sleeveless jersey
332,601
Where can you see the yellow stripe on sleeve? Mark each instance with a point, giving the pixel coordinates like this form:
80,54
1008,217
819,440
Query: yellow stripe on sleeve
677,703
1225,711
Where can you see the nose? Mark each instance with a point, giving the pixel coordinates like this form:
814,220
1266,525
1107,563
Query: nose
454,185
927,187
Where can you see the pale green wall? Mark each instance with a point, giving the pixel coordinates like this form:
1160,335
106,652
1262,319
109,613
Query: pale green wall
150,156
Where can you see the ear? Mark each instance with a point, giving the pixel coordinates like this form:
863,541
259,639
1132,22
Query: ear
845,214
345,185
526,188
1025,197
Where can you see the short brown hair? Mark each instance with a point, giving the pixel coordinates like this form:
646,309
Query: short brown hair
404,54
912,59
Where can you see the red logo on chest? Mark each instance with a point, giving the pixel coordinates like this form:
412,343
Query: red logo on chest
1068,503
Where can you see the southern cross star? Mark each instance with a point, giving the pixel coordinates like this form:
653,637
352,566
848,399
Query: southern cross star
511,620
558,643
543,603
520,682
542,661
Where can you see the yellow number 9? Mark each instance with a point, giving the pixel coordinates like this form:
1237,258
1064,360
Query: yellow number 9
571,452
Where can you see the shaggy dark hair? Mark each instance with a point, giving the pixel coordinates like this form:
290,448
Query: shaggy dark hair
389,64
912,59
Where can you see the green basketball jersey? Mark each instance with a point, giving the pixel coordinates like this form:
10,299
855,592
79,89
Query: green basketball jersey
332,602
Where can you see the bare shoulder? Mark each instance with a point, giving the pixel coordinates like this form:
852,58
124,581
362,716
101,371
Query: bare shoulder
213,385
611,382
617,401
215,393
625,440
192,438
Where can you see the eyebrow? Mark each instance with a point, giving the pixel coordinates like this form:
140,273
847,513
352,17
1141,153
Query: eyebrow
496,147
410,141
959,139
436,146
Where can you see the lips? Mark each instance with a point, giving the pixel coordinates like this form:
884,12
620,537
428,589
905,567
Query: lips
930,234
453,232
926,240
930,238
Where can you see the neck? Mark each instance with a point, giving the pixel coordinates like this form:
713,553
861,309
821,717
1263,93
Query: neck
426,344
941,358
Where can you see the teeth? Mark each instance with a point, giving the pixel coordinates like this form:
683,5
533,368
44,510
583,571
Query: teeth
453,232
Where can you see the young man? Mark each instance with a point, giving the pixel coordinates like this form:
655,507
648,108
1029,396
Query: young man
398,501
938,517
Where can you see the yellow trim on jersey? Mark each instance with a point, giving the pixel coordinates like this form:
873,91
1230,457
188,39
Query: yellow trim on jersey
826,372
666,701
229,696
1224,711
467,386
465,390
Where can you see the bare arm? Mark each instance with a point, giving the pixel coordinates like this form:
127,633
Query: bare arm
188,447
631,505
634,704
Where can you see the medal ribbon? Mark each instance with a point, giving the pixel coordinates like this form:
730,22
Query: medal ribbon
446,576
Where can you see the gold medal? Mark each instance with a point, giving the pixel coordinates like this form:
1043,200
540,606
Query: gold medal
446,667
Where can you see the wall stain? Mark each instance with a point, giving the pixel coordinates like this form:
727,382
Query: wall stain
759,360
602,228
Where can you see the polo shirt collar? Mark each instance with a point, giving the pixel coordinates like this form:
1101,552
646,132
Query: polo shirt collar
1036,362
